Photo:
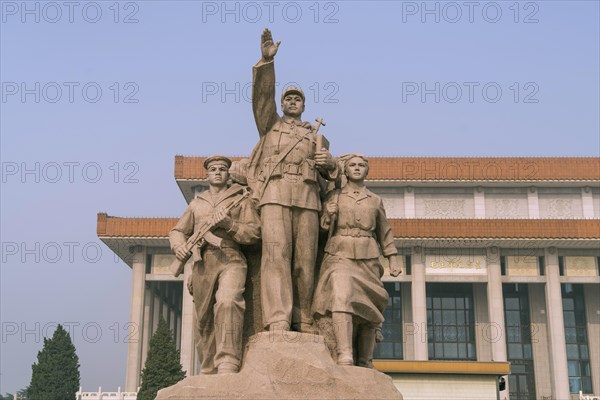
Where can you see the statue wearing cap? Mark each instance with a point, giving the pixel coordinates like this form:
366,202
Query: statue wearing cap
219,271
283,172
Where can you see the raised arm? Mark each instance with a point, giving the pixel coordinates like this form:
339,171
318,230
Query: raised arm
263,85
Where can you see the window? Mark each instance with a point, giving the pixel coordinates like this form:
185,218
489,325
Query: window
578,355
561,266
542,265
450,322
391,346
521,381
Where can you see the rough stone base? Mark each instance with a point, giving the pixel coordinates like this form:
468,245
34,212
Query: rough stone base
289,366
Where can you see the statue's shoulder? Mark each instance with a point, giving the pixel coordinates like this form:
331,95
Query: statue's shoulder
374,196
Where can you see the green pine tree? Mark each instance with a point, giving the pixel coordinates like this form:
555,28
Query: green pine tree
55,376
163,367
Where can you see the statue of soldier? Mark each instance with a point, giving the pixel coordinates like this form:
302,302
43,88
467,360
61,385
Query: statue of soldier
219,272
283,173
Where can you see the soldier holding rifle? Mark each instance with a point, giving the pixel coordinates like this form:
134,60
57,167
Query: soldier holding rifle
212,228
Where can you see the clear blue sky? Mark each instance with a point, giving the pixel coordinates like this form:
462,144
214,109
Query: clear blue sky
363,65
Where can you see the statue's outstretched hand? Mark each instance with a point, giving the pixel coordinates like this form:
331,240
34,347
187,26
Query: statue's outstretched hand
269,49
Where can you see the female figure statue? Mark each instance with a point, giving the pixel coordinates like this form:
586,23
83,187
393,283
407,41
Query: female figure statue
350,286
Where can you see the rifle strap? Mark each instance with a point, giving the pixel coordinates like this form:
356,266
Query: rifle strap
278,160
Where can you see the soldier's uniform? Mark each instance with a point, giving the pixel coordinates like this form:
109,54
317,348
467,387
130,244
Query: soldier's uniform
289,205
218,281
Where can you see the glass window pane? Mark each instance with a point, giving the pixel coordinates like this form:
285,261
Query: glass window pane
450,333
468,302
462,350
437,317
398,350
569,319
385,350
522,382
527,352
439,350
387,313
471,351
586,384
450,350
449,317
515,351
571,335
518,369
572,352
428,302
513,318
585,369
448,303
512,383
469,317
583,352
512,303
461,333
460,303
581,334
568,304
437,303
387,330
574,385
573,367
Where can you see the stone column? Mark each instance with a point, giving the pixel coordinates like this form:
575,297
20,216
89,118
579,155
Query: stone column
539,340
187,325
533,203
136,317
419,306
587,202
409,202
407,321
556,327
479,202
147,329
496,305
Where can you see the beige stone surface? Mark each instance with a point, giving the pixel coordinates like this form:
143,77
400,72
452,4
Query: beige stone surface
292,365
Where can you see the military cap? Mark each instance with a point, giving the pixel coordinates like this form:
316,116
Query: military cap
292,89
212,159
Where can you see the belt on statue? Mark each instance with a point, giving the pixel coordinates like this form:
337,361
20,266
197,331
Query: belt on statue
356,232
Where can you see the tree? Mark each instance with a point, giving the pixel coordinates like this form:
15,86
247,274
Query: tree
163,367
55,376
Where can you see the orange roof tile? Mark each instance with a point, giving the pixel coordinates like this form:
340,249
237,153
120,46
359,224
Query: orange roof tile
452,168
403,228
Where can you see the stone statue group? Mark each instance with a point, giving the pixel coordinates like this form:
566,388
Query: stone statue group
277,199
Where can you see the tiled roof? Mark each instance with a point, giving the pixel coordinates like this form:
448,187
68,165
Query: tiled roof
108,226
452,168
403,228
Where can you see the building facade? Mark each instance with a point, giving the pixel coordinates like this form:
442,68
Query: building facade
501,265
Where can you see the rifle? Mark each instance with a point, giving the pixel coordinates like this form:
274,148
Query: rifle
201,236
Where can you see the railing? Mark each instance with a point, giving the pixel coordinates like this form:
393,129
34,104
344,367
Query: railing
100,395
588,396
